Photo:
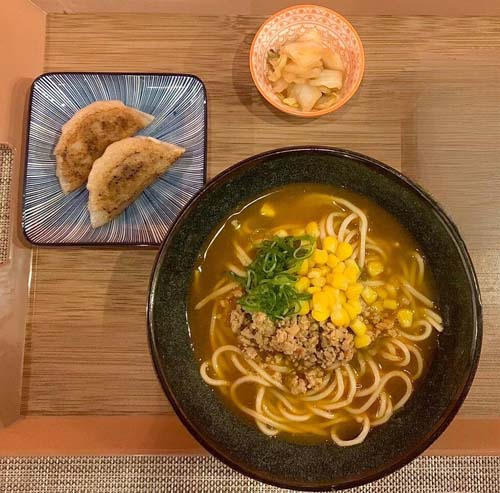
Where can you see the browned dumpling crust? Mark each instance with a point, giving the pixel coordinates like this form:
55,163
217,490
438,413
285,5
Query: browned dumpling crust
88,133
121,174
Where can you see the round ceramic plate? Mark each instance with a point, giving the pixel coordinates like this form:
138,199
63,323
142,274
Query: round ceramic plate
433,403
178,103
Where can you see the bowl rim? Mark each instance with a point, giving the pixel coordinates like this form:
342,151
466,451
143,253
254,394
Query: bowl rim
452,408
293,111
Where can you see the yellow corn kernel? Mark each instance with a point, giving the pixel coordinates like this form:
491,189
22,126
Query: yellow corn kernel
356,304
320,315
377,306
331,290
312,229
391,289
339,268
375,268
342,297
344,250
329,279
390,304
320,256
330,244
324,269
382,292
405,318
369,295
319,282
304,307
351,310
313,289
267,210
345,318
339,316
298,231
320,301
304,267
358,327
332,294
332,260
314,273
340,282
353,292
351,271
302,284
362,341
282,233
351,274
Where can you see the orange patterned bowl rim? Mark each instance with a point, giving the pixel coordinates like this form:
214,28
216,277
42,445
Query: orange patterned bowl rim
293,111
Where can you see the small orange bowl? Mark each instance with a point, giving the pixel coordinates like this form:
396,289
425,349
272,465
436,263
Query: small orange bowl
287,25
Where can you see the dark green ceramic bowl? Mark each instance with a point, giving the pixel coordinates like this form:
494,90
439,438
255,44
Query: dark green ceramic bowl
431,407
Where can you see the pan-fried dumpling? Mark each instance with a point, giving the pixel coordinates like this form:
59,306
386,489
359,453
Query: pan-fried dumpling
87,134
125,169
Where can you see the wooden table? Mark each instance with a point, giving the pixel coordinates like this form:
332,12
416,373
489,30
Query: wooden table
429,105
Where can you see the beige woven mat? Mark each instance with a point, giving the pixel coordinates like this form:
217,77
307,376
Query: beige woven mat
6,162
193,474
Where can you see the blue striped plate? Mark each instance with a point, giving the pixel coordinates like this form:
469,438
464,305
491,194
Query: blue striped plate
179,105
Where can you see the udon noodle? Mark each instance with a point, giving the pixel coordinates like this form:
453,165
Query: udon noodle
379,322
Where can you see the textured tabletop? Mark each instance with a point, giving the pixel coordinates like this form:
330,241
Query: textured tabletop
429,105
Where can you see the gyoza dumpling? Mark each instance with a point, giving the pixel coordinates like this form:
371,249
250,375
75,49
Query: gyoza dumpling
87,134
125,169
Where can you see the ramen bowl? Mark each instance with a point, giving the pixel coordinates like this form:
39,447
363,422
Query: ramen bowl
287,25
325,465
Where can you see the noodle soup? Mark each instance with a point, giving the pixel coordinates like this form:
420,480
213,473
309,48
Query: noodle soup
311,313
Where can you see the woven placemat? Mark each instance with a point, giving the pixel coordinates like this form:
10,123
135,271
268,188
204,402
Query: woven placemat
194,474
6,163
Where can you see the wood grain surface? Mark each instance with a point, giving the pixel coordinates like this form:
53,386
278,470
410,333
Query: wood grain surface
429,105
165,434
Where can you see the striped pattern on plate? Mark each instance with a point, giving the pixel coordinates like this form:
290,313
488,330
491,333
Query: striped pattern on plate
178,103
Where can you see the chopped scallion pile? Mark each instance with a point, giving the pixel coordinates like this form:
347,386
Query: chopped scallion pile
269,285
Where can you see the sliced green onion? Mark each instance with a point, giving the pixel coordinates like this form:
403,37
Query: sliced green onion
270,280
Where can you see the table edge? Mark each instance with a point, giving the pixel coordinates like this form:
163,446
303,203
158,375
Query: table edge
165,434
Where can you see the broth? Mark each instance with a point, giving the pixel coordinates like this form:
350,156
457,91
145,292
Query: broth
293,207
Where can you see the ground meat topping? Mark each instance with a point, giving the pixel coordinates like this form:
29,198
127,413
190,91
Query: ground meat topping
380,323
296,384
309,347
236,319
